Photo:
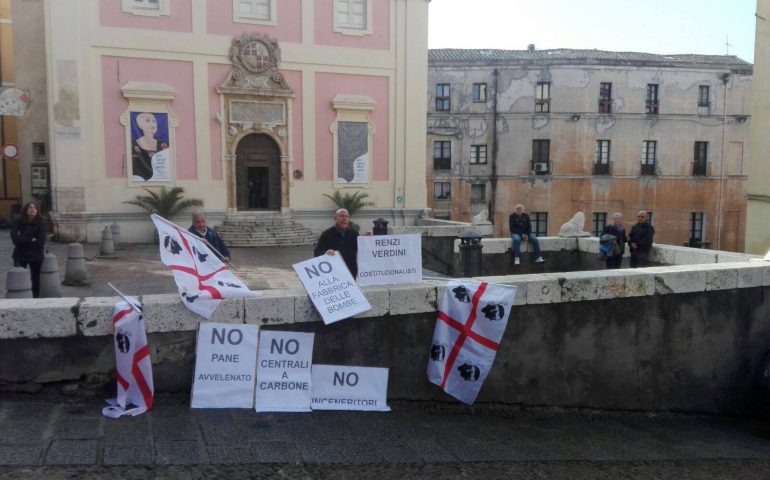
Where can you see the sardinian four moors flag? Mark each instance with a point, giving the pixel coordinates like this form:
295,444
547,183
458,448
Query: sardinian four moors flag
132,362
203,280
471,320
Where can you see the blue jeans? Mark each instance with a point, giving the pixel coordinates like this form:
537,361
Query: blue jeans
517,245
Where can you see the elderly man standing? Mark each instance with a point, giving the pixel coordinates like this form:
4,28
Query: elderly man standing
521,229
208,235
340,238
640,240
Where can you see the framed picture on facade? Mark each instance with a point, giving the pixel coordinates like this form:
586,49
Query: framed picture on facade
353,132
150,147
353,153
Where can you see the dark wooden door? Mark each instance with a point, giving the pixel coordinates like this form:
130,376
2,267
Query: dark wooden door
258,174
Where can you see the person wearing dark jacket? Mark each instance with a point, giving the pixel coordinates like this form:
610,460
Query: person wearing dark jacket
521,229
28,236
340,238
209,236
640,240
617,230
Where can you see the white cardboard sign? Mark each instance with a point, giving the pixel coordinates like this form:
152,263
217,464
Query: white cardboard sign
331,287
389,259
283,371
337,387
224,366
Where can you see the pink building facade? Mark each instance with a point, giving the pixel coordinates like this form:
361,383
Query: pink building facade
252,106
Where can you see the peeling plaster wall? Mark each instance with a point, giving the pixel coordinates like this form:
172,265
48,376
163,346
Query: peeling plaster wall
573,126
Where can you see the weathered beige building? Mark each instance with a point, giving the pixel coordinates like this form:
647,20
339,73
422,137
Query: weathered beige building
592,131
758,208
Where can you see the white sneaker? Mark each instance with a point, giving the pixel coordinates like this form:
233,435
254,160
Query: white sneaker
516,261
540,260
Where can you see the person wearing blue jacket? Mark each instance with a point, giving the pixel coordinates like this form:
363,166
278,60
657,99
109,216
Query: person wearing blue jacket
618,233
521,229
640,240
209,236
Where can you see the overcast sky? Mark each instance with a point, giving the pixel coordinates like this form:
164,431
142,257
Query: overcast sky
653,26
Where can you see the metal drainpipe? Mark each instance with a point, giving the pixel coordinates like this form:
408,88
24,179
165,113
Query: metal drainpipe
493,177
725,79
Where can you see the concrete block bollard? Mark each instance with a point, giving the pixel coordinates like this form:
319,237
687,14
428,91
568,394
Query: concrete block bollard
75,272
107,247
18,283
116,236
50,287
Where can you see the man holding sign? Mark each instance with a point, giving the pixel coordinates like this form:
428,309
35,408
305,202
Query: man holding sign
340,238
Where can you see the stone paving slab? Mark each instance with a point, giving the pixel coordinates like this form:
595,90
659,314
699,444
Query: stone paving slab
137,270
414,433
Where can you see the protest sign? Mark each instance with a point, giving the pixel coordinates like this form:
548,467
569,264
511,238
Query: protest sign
224,366
337,387
332,289
283,371
389,259
471,321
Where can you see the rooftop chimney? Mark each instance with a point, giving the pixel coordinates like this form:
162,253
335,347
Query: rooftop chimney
531,47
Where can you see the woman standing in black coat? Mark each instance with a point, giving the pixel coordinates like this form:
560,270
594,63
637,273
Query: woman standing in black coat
28,235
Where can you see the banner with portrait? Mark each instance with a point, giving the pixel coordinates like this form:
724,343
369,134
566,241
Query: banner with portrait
150,147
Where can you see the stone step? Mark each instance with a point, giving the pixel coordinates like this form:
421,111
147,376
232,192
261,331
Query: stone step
246,229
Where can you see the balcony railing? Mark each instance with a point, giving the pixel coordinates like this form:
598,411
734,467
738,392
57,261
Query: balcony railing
648,169
601,168
651,107
699,169
442,163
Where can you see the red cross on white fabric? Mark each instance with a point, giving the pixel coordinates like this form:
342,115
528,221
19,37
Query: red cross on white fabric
465,332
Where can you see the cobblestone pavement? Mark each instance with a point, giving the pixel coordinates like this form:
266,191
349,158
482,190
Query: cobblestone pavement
66,438
137,270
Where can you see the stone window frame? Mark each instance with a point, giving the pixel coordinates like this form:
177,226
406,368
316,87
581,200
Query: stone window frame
348,28
136,7
153,98
271,20
478,192
478,154
442,190
543,97
539,223
352,108
479,92
698,226
598,223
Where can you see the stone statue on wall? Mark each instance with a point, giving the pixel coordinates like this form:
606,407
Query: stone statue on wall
574,228
481,218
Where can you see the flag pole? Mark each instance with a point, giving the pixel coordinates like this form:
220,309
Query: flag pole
128,300
216,252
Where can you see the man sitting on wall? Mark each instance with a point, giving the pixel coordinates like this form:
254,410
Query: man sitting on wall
209,236
340,238
521,229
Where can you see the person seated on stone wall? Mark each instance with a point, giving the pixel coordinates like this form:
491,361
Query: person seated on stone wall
521,229
618,233
340,238
209,236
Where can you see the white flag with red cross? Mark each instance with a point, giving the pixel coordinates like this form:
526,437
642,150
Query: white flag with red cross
201,277
132,362
471,320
